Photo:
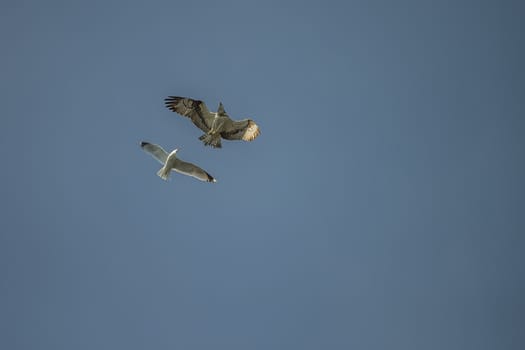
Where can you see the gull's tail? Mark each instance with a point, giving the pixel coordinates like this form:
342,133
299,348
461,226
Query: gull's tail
164,173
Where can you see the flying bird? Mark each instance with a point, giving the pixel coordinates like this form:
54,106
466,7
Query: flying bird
216,125
171,162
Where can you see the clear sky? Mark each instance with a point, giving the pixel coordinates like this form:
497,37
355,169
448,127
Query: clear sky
382,206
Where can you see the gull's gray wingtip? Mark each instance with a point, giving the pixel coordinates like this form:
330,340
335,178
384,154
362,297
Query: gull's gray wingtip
211,178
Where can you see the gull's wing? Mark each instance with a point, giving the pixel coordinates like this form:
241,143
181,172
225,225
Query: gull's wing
156,151
245,129
194,109
190,169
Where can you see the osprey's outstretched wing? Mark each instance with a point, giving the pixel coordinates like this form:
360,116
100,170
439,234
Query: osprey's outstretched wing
245,130
196,110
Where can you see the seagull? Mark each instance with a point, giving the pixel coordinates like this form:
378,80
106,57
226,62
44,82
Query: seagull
170,161
216,125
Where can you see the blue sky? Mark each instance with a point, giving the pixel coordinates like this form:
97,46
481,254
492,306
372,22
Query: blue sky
381,207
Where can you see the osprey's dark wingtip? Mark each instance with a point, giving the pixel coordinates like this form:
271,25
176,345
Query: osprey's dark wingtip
144,143
170,102
171,99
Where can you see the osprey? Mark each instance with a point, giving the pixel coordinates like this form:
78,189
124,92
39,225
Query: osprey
216,125
170,161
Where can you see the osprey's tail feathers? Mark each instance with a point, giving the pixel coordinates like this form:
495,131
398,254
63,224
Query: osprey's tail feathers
211,140
164,173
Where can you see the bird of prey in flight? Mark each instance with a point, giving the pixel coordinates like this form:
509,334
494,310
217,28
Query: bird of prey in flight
216,125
